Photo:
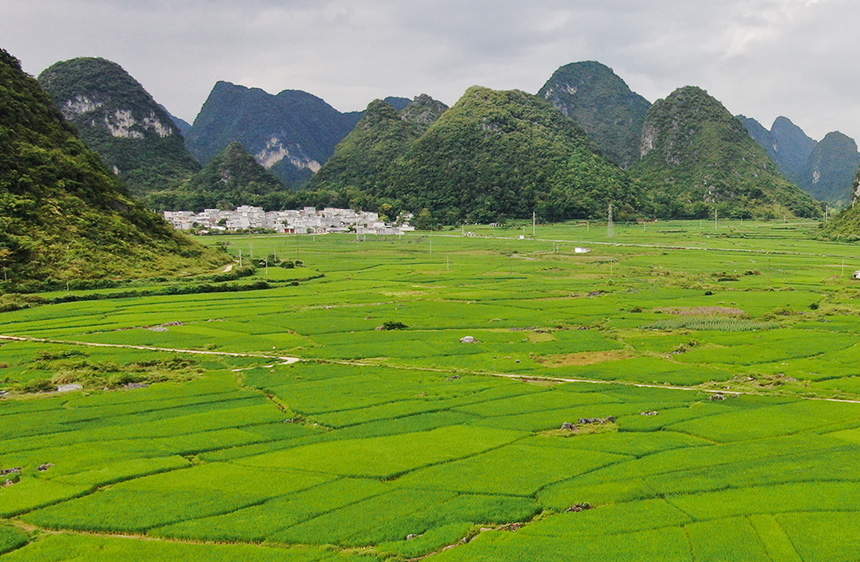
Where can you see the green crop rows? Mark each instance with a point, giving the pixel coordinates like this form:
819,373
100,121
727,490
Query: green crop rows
719,367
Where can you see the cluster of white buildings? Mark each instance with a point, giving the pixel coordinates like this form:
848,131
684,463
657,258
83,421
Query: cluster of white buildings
306,221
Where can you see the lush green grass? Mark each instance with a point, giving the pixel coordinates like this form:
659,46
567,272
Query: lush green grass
11,538
62,547
396,443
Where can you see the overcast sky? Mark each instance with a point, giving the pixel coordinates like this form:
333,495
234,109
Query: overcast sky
762,58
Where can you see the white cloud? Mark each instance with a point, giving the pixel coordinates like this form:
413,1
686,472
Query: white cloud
760,57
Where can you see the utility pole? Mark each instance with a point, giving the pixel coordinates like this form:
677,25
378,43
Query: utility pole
715,220
534,224
240,258
610,226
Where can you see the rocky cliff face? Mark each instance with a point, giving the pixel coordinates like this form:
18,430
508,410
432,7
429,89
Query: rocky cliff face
118,119
291,134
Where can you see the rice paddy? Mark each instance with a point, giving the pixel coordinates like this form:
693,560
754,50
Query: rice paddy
677,393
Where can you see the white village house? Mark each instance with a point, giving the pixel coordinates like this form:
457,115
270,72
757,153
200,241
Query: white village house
305,221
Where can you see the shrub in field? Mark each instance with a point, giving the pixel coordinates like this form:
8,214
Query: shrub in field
37,385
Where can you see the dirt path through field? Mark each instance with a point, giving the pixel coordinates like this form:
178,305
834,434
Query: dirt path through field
658,246
285,360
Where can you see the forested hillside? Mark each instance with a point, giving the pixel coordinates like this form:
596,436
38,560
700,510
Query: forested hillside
118,119
63,214
698,158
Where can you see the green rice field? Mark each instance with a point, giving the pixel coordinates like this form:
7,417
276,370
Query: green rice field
709,376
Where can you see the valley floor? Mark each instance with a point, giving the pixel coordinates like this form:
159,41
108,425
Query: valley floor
714,414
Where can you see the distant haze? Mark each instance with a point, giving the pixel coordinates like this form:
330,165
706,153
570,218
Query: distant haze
762,58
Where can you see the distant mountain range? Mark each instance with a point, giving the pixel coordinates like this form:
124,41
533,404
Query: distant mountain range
118,118
64,216
411,153
292,133
824,169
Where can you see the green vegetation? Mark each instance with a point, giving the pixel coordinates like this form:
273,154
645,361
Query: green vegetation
360,165
231,179
846,225
291,133
63,215
11,538
698,159
393,444
493,156
831,168
603,105
120,121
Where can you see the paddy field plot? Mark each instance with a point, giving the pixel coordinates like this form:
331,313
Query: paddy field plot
710,376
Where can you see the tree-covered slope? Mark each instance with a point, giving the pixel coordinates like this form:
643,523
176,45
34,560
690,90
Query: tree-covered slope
697,158
118,119
831,168
505,154
291,134
363,159
63,214
846,225
603,105
231,179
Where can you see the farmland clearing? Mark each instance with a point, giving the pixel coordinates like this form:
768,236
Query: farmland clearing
680,392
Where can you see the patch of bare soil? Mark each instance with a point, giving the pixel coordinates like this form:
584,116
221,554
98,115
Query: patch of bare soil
585,358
